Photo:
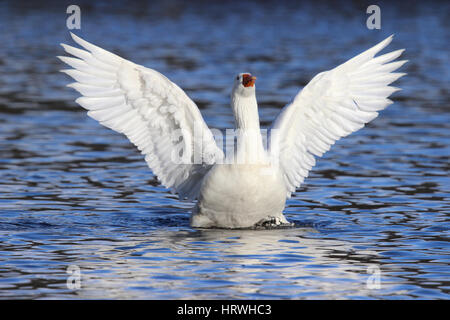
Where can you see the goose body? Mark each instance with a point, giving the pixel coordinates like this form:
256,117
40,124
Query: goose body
240,196
251,186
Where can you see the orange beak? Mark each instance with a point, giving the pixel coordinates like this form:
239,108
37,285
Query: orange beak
248,80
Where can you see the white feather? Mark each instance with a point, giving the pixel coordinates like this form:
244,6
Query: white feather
334,104
126,97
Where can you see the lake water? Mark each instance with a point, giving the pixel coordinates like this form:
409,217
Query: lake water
375,209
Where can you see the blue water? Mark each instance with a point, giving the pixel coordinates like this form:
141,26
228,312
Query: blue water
375,209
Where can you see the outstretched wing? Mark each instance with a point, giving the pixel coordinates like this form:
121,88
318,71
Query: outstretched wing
153,112
334,104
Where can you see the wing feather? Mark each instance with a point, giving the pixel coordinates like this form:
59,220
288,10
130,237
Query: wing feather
153,112
334,104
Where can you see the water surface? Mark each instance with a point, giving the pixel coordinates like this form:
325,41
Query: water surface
75,193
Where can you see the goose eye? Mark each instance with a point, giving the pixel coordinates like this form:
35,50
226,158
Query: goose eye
237,78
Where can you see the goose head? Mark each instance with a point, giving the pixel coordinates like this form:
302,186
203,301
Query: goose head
244,84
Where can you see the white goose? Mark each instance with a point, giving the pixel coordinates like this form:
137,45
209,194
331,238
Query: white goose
148,108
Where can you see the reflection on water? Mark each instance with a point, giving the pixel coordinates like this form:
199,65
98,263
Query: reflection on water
73,193
228,264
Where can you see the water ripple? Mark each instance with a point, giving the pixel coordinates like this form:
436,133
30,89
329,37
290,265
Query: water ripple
73,193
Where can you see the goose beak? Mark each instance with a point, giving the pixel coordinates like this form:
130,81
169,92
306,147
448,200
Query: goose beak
248,80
